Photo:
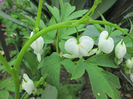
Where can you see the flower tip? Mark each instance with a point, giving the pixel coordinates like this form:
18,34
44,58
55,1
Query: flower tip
39,57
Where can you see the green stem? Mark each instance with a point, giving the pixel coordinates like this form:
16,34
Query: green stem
34,37
57,43
15,76
38,16
108,23
5,63
91,11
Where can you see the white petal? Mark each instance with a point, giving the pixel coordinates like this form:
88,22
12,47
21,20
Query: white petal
27,84
38,57
106,45
93,51
86,44
26,77
68,56
103,35
120,50
31,34
37,45
72,47
131,77
129,63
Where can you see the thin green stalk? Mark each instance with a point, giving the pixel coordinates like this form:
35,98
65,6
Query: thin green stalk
34,37
91,11
38,15
5,63
57,43
15,76
108,23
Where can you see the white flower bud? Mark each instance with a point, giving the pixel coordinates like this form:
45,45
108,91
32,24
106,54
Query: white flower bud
27,84
129,63
105,44
37,46
120,50
79,50
131,77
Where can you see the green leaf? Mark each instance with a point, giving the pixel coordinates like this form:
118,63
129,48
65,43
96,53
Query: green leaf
128,42
130,50
76,69
7,84
50,92
75,15
54,11
104,84
79,69
31,65
49,36
69,65
69,91
4,94
50,67
105,60
67,10
66,32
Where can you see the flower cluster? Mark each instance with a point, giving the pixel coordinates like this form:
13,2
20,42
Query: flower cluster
105,44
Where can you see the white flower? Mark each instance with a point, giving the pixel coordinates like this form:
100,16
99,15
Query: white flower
120,50
129,63
105,44
37,46
79,50
131,77
27,84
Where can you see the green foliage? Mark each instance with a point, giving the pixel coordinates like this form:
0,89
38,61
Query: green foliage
50,67
50,92
30,65
77,70
104,84
6,86
105,60
69,91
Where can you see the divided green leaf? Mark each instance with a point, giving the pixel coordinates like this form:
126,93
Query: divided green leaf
104,84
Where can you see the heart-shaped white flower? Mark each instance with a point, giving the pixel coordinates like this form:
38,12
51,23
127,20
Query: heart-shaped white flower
105,44
120,50
79,50
27,84
37,46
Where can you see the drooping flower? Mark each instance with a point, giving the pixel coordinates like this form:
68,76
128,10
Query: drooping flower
105,44
37,46
79,50
27,84
120,50
129,63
